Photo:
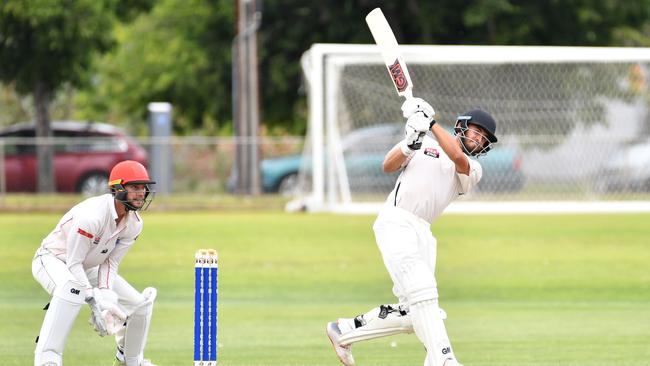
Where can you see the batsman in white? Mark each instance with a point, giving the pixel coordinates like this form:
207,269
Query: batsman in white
434,171
78,263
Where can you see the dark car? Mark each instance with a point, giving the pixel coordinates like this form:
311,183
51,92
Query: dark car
84,154
364,150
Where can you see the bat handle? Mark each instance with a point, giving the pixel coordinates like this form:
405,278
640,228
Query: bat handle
408,94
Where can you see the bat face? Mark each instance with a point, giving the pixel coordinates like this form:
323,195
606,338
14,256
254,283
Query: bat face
399,79
385,39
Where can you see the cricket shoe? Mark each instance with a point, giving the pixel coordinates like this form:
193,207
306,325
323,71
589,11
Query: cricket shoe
452,362
344,353
119,359
145,362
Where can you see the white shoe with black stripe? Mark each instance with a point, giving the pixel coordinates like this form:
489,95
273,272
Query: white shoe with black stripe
119,360
344,353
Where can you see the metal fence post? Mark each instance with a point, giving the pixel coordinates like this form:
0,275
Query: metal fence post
160,157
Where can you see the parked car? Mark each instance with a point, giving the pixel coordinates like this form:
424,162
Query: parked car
84,154
364,150
627,170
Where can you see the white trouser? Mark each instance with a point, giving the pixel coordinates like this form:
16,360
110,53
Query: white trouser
67,299
52,273
409,252
407,247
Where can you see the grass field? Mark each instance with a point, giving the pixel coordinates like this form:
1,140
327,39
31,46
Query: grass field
519,290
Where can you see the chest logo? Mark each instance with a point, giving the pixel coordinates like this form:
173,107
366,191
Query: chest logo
430,151
104,251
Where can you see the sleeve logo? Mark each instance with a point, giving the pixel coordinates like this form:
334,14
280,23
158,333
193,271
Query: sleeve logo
85,233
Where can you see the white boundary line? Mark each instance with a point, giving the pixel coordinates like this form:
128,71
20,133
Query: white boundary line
507,207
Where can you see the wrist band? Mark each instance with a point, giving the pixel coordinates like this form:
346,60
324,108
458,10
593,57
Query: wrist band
405,149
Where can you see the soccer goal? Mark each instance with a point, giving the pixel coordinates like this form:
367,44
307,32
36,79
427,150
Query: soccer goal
565,115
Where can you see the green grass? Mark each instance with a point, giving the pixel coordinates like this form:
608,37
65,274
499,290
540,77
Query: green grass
519,290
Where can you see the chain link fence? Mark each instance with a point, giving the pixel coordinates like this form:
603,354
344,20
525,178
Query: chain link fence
586,165
569,129
200,164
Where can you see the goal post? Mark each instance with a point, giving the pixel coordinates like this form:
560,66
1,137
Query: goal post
561,113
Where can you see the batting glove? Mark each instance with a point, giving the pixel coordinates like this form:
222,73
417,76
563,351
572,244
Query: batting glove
414,105
416,127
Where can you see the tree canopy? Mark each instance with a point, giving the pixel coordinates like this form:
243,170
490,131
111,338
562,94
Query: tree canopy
180,51
51,41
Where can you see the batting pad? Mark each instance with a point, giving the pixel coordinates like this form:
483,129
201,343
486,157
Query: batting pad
59,318
379,322
430,329
137,328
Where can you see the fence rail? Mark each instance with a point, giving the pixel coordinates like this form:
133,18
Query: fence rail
200,163
548,169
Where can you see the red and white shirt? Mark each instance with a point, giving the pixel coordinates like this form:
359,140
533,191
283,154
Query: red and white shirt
87,236
429,183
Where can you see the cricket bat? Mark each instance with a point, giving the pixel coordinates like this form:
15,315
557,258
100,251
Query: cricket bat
385,39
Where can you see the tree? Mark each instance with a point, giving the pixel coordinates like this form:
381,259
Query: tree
45,44
178,52
446,22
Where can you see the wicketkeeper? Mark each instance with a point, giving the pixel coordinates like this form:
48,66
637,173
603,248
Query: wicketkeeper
77,264
434,172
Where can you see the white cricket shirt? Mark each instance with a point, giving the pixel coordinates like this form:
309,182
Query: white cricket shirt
429,182
87,236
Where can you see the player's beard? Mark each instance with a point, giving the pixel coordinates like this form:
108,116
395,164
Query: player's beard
137,203
471,146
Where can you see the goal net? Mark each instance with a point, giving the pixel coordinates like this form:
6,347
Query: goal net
573,122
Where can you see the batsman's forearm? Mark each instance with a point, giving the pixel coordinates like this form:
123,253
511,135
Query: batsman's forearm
394,159
450,146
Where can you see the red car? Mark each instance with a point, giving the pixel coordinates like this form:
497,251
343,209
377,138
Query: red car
84,153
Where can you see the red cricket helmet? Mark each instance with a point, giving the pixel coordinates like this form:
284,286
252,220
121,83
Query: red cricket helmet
130,172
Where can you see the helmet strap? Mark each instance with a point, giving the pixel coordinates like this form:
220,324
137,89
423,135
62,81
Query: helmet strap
120,194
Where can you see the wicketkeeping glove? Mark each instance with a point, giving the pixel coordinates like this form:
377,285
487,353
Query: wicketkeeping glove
96,318
107,318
